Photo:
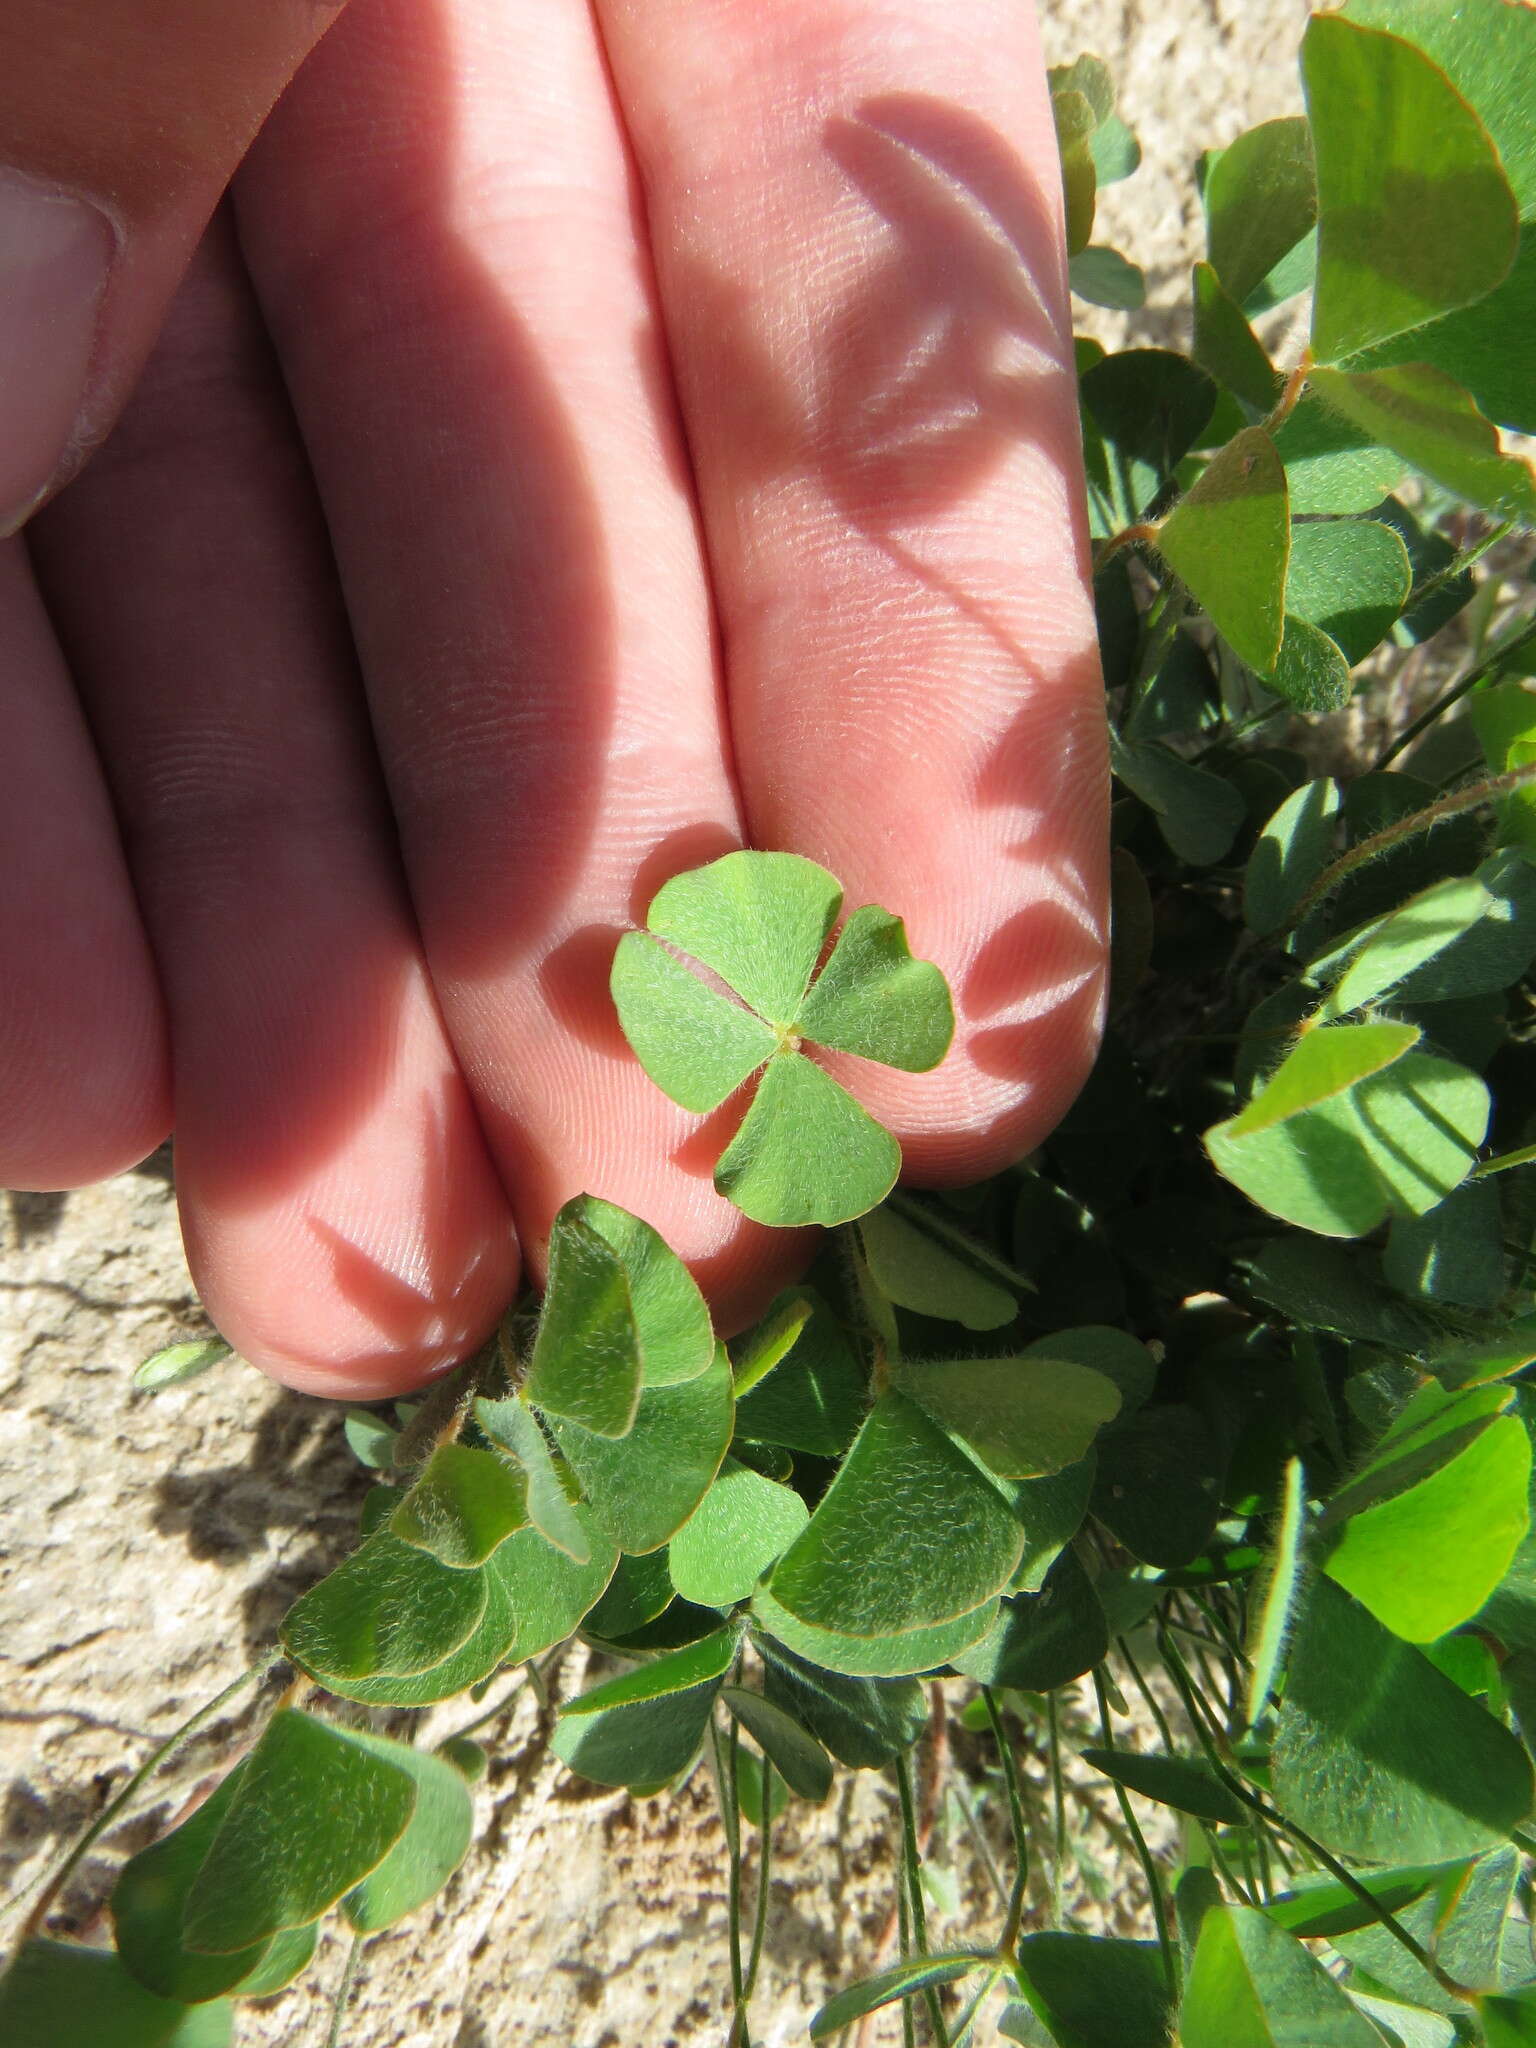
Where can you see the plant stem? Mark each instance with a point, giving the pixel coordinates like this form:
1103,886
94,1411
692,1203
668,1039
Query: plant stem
1471,798
1149,1700
1059,1799
1458,565
912,1870
1295,384
1144,530
760,1913
1008,1940
1479,673
1143,1853
162,1754
728,1788
344,1990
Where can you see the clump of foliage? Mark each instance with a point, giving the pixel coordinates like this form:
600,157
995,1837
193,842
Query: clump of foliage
1232,1378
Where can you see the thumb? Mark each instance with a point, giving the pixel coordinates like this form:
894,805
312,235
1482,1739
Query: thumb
121,122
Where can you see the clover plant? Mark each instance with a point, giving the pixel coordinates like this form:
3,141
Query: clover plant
1234,1378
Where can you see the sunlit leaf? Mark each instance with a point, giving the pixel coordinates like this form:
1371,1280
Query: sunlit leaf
388,1608
1024,1417
696,1044
516,1430
1104,277
1255,1986
1260,199
758,920
464,1503
586,1365
1434,424
735,1533
1272,1610
434,1844
800,1115
867,1656
1228,539
1350,578
178,1363
872,998
903,1980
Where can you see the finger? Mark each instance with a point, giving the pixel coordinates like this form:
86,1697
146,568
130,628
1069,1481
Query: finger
83,1078
440,223
855,212
123,120
342,1219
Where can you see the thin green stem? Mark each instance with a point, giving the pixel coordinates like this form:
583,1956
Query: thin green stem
1059,1801
1476,794
1163,620
161,1754
726,1757
1143,1853
961,1793
1458,565
969,2016
1008,1940
344,1990
912,1869
904,1936
1478,673
764,1882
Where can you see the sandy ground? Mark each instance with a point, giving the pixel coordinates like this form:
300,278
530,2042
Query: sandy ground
148,1544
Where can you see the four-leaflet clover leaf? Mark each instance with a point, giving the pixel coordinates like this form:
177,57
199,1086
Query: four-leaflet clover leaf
806,1152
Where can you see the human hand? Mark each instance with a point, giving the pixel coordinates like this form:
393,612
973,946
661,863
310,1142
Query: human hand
580,444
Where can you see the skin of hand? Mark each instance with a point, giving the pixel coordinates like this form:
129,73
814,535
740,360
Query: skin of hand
533,448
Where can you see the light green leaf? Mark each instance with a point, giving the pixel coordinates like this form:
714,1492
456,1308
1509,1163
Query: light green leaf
863,1721
1255,1986
390,1608
1424,1560
1461,937
671,1318
806,1152
1291,852
696,1044
903,1980
1199,814
816,1400
644,1486
860,1656
1094,1992
1380,1756
734,1534
1336,1151
1260,199
1187,1784
758,920
872,998
909,1535
795,1753
1228,347
1351,578
1024,1417
150,1897
1104,277
1434,424
1321,1906
1115,1354
516,1430
370,1439
1074,119
178,1363
769,1342
1228,538
1276,1597
918,1270
57,1993
1508,2022
1041,1640
586,1364
701,1663
1331,465
1051,1511
464,1504
267,1869
1415,215
1311,672
435,1842
548,1593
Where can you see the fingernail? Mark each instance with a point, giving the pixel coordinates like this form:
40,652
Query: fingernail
55,253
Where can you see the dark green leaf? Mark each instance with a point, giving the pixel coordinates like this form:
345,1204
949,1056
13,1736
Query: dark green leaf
1433,423
1042,1640
586,1365
148,1902
735,1533
1350,578
1158,1484
1114,1354
1464,936
908,1537
464,1504
56,1994
1024,1417
267,1870
1228,539
1454,1252
863,1721
435,1842
643,1728
1380,1756
769,1342
1509,2022
1187,1784
1254,1983
388,1608
644,1486
902,1980
1332,465
791,1749
1415,215
1104,277
815,1401
1051,1511
1260,199
1228,347
1320,1906
640,1589
516,1430
1150,406
1092,1992
1199,814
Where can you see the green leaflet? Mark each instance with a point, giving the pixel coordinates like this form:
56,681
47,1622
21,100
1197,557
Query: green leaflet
917,1269
644,1727
1260,199
586,1365
1350,579
1255,1986
1024,1417
1187,1784
1228,539
1414,213
515,1429
58,1992
464,1504
734,1534
1291,852
434,1844
903,1980
1434,424
794,1752
1090,1991
390,1607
